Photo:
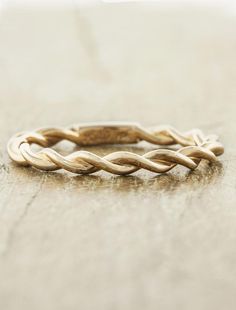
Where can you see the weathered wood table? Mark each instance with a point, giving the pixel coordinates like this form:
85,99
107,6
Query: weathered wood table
144,241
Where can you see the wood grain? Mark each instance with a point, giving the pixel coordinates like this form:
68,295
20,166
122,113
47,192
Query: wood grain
102,242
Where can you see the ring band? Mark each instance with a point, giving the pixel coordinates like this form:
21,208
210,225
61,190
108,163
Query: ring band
194,146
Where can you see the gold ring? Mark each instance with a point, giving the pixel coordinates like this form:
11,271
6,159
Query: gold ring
193,147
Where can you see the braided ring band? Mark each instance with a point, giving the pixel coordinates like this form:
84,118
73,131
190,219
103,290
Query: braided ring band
194,146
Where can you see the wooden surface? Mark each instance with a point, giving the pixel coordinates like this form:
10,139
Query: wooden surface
102,242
